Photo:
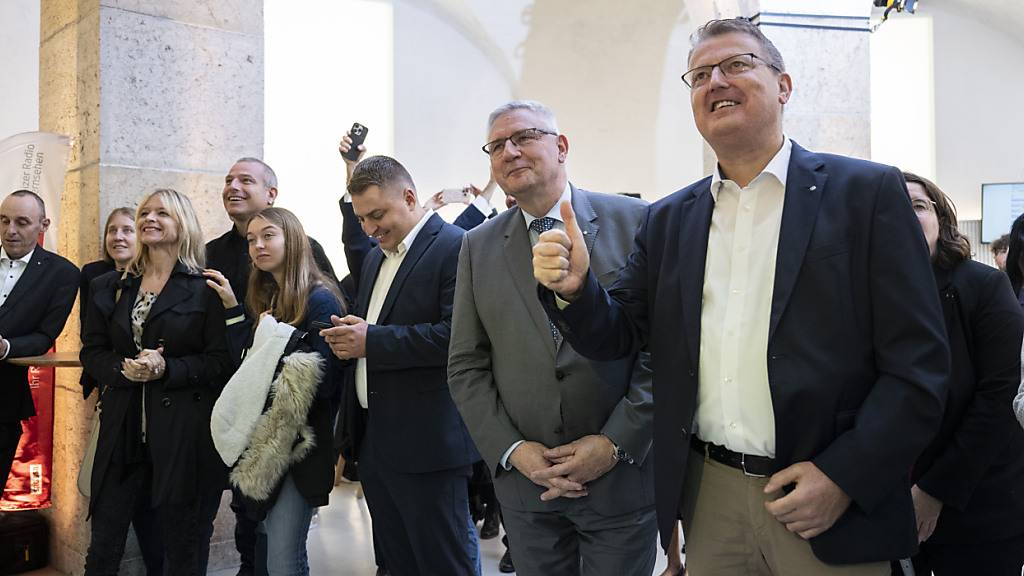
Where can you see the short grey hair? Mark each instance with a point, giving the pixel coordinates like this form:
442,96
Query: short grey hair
738,25
532,105
269,176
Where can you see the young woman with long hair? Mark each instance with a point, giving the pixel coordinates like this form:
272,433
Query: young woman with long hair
286,284
154,340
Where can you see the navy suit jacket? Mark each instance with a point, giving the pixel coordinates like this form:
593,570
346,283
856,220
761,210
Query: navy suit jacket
31,318
415,425
857,354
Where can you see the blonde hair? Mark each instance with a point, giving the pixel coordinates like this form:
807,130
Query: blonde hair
190,248
301,276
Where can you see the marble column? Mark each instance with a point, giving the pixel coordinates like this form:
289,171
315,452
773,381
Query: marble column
157,94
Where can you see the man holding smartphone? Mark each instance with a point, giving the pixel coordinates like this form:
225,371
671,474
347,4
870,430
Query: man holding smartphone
413,450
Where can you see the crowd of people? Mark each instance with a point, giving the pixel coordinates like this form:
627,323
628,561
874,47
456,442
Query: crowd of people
795,358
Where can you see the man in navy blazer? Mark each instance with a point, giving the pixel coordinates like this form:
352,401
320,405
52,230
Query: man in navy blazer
415,454
37,292
795,331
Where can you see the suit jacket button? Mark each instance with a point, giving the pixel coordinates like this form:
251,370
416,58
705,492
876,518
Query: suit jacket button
166,402
558,430
197,396
559,375
683,430
692,373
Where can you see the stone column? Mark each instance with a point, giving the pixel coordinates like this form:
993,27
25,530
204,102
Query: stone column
825,45
156,94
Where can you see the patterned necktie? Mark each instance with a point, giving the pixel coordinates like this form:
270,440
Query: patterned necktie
540,226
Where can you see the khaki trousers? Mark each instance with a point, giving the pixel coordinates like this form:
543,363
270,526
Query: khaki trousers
729,532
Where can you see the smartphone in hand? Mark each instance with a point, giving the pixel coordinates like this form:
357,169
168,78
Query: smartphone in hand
358,135
455,196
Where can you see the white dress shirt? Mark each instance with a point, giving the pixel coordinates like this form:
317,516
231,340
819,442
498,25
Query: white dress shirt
734,402
388,271
556,214
10,273
483,205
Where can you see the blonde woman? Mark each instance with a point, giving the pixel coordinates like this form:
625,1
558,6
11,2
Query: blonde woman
154,340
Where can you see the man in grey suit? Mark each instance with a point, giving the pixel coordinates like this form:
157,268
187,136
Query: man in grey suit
566,439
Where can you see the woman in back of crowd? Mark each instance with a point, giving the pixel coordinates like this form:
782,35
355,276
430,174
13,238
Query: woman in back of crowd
1015,258
286,283
154,340
968,485
118,250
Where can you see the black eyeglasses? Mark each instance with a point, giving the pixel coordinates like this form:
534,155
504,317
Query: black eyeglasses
519,139
731,66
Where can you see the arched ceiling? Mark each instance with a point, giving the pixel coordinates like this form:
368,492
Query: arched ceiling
1004,15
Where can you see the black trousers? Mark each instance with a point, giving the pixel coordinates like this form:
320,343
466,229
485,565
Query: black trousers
123,490
147,532
420,520
999,558
10,435
245,534
209,504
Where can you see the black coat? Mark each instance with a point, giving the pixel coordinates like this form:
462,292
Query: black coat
90,272
975,465
189,320
31,319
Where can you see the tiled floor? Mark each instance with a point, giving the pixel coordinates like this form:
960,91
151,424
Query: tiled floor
340,543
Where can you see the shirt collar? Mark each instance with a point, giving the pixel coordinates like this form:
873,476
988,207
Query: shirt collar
406,242
556,210
27,258
778,167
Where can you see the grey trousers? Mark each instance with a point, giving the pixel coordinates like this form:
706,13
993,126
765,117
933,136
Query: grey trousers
580,542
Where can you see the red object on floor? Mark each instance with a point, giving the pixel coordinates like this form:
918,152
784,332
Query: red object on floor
28,486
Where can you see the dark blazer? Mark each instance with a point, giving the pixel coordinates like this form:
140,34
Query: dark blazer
975,465
512,382
472,217
31,318
414,422
314,475
90,272
857,355
189,318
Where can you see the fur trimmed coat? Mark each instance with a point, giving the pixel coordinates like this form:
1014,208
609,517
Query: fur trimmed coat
311,462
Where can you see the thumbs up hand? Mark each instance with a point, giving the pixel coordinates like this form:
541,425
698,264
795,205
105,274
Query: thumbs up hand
560,259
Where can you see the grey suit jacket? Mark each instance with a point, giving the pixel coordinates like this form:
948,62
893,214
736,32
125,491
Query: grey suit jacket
510,382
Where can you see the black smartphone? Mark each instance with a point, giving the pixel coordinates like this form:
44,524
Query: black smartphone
321,325
358,135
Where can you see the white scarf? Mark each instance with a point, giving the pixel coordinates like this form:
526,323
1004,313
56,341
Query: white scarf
242,400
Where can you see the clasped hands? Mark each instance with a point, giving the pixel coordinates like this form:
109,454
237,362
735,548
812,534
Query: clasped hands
147,366
347,338
565,470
